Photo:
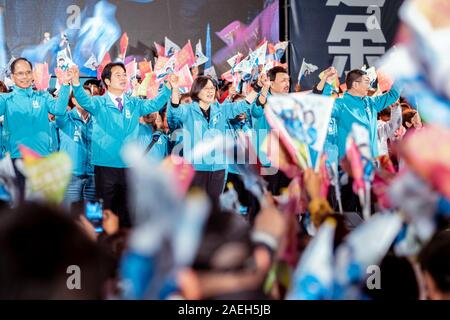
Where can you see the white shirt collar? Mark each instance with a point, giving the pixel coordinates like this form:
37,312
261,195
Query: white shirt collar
113,98
81,117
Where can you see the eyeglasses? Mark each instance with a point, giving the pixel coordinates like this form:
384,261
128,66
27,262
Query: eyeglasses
22,74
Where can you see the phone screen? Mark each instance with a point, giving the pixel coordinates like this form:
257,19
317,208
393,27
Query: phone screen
94,213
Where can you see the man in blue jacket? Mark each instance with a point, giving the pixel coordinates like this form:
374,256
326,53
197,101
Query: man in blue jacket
357,107
26,114
115,123
279,84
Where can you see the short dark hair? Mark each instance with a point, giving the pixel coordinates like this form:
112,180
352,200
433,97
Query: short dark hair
353,76
106,73
435,259
272,73
199,83
13,64
71,104
3,87
38,243
407,116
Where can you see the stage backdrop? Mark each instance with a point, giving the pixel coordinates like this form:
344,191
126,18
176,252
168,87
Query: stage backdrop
344,33
96,26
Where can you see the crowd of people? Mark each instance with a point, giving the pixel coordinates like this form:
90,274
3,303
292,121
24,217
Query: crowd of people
242,227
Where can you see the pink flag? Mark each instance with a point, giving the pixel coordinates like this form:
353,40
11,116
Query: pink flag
185,77
59,74
230,32
384,81
144,68
131,68
41,76
123,45
105,61
185,56
160,63
428,155
152,89
181,171
227,76
160,50
354,156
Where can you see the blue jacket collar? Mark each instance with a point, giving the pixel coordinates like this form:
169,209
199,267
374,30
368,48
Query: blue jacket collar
23,92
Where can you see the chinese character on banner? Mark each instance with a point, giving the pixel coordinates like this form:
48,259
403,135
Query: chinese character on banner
359,45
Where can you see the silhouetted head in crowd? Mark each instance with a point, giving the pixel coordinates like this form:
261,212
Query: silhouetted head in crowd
397,280
435,263
224,267
46,255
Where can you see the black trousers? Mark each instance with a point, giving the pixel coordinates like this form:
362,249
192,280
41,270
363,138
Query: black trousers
111,186
212,182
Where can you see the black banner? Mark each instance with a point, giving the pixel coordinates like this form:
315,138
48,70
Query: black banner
344,33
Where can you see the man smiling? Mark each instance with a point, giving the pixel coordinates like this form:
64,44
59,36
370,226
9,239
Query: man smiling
26,113
115,123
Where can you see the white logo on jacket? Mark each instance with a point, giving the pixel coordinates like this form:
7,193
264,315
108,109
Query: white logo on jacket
36,104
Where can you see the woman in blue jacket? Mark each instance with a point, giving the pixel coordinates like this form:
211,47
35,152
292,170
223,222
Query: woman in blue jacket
205,119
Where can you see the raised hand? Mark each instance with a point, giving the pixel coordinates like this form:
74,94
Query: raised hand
75,75
173,81
263,81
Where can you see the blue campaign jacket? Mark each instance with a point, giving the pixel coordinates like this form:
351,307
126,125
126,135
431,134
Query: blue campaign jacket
26,118
75,137
113,129
350,109
196,128
160,149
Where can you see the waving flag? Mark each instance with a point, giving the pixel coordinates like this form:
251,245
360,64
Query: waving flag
364,247
200,58
313,277
105,61
48,177
230,32
144,68
185,57
160,50
123,46
170,47
91,63
361,161
306,69
185,77
280,49
41,76
303,123
208,47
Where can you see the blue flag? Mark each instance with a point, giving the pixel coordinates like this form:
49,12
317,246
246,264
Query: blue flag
208,46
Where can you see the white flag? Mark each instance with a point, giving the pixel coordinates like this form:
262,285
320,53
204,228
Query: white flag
170,47
63,60
92,63
234,59
200,58
306,117
280,49
211,71
305,69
